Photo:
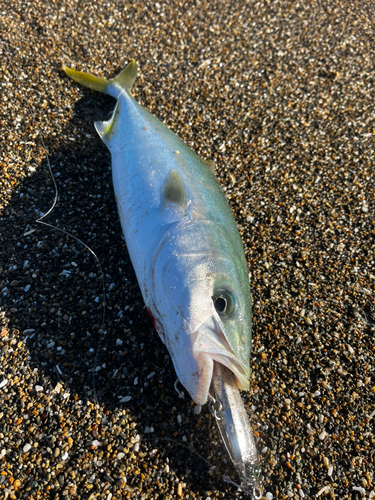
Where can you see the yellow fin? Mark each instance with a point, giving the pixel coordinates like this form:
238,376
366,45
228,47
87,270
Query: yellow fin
90,81
127,76
106,128
113,87
124,80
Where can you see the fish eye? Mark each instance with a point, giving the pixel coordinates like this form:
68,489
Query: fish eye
224,302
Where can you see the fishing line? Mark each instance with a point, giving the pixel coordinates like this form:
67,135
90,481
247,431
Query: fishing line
41,220
213,468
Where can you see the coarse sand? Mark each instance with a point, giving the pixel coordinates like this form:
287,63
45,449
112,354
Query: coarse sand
281,95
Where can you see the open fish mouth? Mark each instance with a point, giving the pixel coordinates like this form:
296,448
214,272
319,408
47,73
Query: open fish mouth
210,344
194,352
214,344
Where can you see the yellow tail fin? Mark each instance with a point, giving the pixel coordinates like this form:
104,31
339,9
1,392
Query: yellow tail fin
124,80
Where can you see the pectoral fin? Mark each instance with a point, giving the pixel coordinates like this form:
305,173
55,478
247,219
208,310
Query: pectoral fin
174,191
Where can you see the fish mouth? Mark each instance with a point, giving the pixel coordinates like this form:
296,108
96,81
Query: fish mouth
211,345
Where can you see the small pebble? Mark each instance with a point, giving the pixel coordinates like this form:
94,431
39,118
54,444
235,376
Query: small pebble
325,489
179,489
197,409
359,489
125,399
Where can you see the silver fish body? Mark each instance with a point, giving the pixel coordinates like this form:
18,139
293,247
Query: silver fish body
182,239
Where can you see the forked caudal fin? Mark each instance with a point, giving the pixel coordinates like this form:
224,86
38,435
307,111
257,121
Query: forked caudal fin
113,87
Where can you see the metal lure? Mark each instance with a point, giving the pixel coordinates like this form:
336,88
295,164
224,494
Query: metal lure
233,422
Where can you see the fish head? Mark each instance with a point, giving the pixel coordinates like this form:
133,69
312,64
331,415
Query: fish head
203,307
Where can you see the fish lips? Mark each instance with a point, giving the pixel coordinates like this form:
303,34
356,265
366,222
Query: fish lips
211,342
194,350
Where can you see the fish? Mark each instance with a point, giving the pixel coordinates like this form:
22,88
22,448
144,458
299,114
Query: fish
184,245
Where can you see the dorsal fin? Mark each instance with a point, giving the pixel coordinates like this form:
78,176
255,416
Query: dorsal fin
174,190
210,164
